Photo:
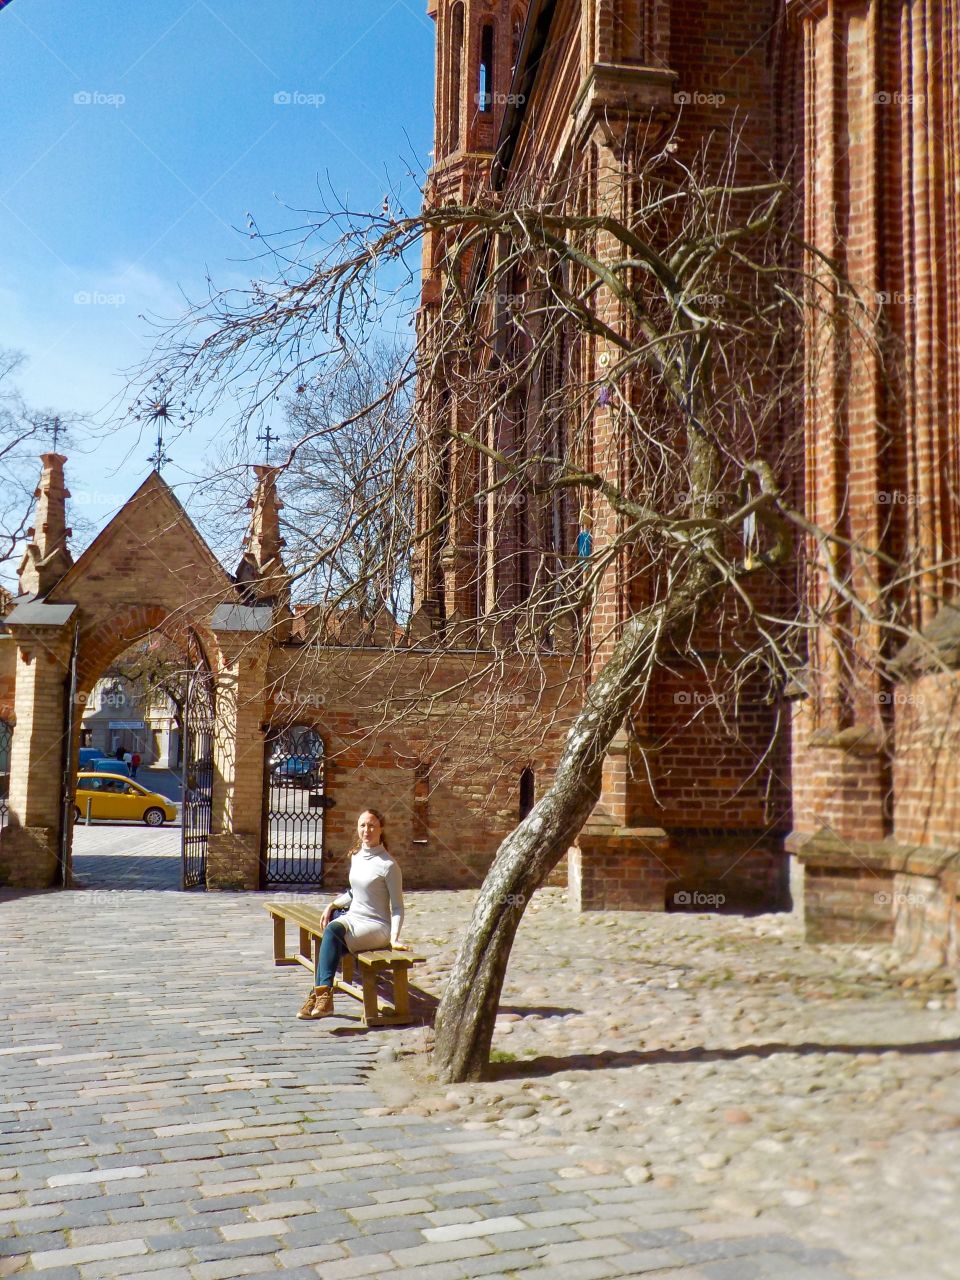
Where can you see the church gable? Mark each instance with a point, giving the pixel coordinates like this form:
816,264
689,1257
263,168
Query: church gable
150,552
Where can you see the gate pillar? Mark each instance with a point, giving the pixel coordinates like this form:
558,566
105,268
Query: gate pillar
30,843
233,852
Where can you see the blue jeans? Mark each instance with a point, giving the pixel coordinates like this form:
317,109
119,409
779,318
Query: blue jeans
332,946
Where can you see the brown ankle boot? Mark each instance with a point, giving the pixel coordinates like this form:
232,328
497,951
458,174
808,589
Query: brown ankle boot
322,1002
306,1009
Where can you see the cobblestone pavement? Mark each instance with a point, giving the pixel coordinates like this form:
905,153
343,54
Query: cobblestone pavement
815,1090
126,856
162,1112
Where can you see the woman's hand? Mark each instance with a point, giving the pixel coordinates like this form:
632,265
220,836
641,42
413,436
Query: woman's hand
327,913
399,946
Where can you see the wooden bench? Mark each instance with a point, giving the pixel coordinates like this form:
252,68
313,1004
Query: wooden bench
360,975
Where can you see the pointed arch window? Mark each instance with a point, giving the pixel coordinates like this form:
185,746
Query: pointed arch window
485,85
527,792
454,138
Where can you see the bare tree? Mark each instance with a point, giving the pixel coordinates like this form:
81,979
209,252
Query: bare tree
636,375
335,521
24,432
158,670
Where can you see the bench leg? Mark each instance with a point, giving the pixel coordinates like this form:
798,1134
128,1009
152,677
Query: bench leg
279,940
371,1010
306,943
401,992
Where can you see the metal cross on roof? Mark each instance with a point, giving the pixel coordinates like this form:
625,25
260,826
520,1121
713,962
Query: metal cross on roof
267,438
55,427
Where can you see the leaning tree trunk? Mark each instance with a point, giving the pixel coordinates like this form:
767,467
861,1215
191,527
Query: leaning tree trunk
468,1009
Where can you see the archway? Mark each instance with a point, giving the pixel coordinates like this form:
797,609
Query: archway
147,572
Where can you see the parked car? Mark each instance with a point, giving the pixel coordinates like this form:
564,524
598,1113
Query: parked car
88,755
295,771
107,764
113,796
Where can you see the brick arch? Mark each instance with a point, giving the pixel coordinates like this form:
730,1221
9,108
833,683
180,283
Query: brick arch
105,635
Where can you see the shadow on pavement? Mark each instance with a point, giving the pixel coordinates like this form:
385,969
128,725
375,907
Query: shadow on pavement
548,1066
94,871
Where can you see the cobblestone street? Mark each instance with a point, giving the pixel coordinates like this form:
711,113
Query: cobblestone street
699,1098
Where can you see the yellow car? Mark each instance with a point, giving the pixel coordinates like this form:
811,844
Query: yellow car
113,796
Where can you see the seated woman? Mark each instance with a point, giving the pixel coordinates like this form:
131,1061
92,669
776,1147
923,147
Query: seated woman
373,919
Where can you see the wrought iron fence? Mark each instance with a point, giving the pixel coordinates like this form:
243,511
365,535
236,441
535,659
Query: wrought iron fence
294,810
6,743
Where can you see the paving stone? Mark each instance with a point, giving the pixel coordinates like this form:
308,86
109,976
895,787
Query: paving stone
224,1269
152,1264
440,1252
46,1259
469,1230
384,1242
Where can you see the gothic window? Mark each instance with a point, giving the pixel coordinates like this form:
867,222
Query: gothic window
527,789
485,86
456,76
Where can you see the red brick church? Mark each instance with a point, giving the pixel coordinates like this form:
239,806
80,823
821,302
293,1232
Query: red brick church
853,815
858,100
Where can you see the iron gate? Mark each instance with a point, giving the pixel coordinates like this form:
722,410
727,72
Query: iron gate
6,743
197,763
294,808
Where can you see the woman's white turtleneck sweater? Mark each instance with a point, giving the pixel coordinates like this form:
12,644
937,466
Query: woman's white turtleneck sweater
375,899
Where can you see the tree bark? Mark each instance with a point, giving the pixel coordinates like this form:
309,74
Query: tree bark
468,1008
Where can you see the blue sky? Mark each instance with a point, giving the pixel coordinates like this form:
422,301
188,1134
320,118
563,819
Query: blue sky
136,137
